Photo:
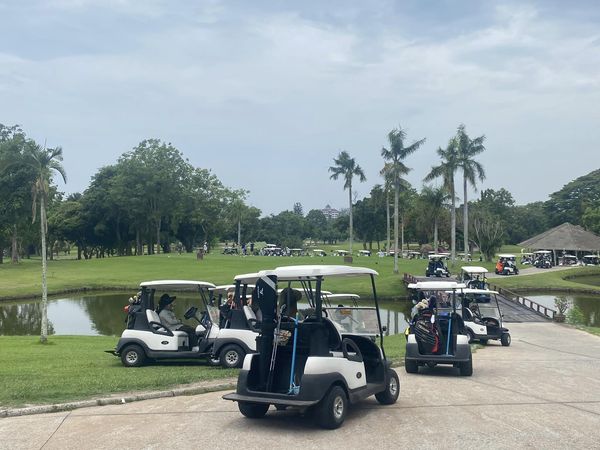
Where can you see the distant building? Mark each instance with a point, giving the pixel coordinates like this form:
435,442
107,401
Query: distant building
330,213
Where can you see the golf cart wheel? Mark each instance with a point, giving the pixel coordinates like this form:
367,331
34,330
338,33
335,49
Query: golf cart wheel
392,390
232,356
331,411
483,341
253,410
411,366
466,368
133,356
505,339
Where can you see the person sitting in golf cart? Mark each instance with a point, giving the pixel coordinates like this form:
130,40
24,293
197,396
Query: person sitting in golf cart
170,320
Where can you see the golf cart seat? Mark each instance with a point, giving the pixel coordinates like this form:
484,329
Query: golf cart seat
323,336
158,328
251,318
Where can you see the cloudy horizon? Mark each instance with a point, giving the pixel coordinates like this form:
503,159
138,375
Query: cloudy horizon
266,94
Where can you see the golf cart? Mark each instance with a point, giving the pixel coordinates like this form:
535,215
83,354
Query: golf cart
145,337
436,266
308,364
506,265
364,253
526,258
318,252
568,260
542,259
437,334
474,277
591,260
482,317
413,255
338,252
295,252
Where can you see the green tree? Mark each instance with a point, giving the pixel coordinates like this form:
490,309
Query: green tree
45,162
467,149
591,219
434,201
569,203
346,166
395,169
446,170
316,225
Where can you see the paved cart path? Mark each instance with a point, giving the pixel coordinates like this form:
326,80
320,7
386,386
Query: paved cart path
541,392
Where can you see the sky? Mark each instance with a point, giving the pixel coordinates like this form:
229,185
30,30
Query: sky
267,93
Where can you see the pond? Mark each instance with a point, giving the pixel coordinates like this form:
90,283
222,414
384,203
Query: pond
589,305
102,314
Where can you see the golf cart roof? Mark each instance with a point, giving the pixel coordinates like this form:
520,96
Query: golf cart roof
176,284
476,291
590,256
341,251
313,271
226,288
342,296
474,269
438,255
295,249
436,285
271,245
545,252
506,255
413,252
318,250
526,254
569,256
364,251
323,292
246,277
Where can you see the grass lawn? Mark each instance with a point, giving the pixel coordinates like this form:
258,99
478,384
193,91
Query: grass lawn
75,367
24,279
555,280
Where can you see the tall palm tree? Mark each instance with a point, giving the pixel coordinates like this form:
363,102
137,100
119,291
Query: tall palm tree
446,170
388,186
347,167
44,162
396,168
434,199
467,149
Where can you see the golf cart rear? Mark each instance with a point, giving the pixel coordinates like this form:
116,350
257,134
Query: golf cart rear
474,277
436,334
481,314
309,363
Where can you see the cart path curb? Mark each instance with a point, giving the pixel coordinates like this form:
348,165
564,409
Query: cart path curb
116,399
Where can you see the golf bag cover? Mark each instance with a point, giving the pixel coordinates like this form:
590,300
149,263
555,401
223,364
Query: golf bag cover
426,335
265,294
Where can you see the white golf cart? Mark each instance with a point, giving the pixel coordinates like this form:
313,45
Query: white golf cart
318,252
506,265
147,338
436,266
568,260
481,314
474,277
237,325
526,258
436,334
591,260
338,252
364,253
308,364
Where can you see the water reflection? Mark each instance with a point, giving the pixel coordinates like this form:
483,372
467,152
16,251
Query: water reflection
102,314
589,305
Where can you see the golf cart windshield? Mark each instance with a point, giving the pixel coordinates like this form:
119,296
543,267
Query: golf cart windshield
356,320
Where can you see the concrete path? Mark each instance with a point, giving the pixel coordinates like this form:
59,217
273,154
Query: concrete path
542,392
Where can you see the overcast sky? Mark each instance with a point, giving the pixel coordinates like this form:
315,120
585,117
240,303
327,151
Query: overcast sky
266,93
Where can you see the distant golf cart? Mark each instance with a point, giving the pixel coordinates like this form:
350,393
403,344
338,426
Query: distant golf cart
318,252
145,338
338,252
474,277
295,252
526,258
568,260
542,259
591,260
364,253
413,255
437,334
436,266
482,316
506,264
308,364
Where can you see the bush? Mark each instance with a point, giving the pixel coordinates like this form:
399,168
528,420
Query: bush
575,316
562,304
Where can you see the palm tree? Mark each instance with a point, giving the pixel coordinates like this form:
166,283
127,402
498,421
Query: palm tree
434,199
446,170
346,166
43,161
387,186
467,149
395,169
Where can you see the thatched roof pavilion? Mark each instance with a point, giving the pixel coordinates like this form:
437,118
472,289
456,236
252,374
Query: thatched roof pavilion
564,237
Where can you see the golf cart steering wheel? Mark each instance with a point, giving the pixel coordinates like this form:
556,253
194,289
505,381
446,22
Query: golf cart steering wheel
191,312
349,343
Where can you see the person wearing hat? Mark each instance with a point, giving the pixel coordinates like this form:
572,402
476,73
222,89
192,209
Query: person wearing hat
170,320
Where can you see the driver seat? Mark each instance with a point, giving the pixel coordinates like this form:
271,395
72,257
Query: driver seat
158,328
